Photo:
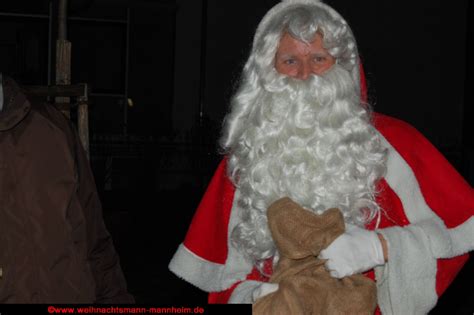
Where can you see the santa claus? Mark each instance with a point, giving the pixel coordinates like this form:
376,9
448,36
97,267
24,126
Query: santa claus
299,127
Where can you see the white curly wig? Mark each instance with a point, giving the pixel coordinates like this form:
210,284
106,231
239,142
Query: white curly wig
310,140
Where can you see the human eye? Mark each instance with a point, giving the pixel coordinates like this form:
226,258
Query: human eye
319,59
289,61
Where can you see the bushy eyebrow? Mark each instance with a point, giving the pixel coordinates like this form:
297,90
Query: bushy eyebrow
285,55
320,52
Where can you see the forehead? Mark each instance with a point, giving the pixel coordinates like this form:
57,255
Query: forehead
290,45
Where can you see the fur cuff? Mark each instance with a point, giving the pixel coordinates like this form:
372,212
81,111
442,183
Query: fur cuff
406,284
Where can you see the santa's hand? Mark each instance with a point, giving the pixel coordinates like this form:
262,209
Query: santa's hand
264,289
355,251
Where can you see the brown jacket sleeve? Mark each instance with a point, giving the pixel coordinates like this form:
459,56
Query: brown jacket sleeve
110,282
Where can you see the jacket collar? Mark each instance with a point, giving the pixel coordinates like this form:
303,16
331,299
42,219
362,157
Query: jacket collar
15,107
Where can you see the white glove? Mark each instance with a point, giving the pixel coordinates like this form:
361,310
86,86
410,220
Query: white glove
264,289
356,250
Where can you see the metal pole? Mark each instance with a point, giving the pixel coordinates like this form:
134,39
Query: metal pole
114,21
202,91
50,39
202,77
71,18
468,113
63,54
62,20
40,16
127,66
467,136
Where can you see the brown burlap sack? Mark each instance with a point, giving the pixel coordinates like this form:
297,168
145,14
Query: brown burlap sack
305,286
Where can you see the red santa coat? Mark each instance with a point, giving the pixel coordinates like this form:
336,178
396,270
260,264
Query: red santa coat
427,221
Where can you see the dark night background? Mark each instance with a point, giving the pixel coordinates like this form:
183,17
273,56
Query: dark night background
161,74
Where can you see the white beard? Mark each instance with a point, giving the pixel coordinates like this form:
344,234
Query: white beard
308,140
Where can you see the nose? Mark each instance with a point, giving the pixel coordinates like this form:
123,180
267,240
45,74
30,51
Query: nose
304,71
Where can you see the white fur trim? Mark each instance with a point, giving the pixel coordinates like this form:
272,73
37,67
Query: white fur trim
207,275
243,292
202,273
463,237
403,181
406,284
440,239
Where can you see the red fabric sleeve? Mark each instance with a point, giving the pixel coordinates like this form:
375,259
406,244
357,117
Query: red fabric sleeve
207,234
444,189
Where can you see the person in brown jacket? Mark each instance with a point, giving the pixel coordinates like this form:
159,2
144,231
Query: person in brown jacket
54,246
